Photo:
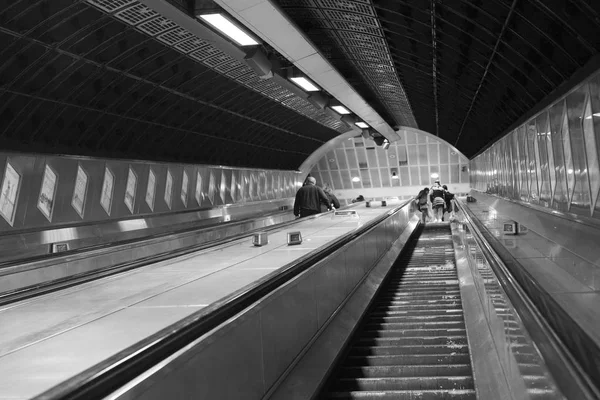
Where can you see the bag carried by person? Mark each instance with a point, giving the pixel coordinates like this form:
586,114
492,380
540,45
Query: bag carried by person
422,200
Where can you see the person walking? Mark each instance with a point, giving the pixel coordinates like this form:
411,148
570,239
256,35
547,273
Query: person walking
449,206
437,201
334,203
309,199
421,201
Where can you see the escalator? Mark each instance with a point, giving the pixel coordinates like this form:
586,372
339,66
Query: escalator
412,342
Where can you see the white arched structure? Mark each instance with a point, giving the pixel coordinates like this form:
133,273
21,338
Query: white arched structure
357,166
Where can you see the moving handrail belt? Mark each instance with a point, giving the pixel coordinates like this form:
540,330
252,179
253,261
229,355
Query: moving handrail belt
114,372
564,363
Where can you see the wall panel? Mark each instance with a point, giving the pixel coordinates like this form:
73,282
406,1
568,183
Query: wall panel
555,155
217,186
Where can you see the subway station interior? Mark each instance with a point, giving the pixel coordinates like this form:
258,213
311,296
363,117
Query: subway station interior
153,237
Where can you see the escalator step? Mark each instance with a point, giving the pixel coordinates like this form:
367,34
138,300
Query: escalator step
419,325
407,370
405,395
408,349
405,383
413,332
413,341
416,318
406,359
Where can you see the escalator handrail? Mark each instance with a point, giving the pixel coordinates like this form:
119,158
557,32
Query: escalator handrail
109,375
524,304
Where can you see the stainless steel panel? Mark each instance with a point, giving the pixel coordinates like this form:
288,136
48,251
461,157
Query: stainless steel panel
224,366
288,322
330,287
555,156
580,201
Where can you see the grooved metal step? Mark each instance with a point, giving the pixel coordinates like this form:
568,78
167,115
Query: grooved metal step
412,343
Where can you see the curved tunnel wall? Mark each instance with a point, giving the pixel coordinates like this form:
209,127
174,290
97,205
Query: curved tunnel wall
412,159
552,160
39,192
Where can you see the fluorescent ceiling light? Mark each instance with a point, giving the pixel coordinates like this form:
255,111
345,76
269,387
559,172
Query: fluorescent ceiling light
305,84
340,109
356,179
395,177
435,175
228,28
361,125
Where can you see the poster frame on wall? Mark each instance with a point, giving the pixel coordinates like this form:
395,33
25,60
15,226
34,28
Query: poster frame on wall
169,188
4,191
185,185
47,194
151,191
198,187
130,189
81,181
107,197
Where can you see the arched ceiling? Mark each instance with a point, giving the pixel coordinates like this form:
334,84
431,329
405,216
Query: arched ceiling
114,78
469,68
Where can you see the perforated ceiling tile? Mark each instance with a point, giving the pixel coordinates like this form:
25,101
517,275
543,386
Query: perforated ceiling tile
218,59
351,17
204,52
356,27
175,36
346,5
373,45
157,26
239,71
228,66
246,77
297,3
111,5
136,14
192,44
363,37
304,13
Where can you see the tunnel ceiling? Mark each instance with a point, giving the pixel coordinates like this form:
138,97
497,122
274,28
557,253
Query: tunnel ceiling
114,78
469,68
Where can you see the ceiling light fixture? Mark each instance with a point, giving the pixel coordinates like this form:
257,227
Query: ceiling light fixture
356,179
435,175
228,28
305,84
361,124
340,110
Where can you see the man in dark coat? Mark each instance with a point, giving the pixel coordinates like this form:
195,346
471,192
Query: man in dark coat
309,199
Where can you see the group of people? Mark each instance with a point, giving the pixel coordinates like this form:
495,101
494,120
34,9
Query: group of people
311,199
440,199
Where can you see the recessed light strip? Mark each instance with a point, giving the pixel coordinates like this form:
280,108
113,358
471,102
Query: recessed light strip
340,110
305,84
229,29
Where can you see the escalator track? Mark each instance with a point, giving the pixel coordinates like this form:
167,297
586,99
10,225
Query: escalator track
412,342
